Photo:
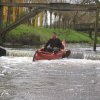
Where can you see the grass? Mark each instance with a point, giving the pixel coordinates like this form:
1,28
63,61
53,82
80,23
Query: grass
29,35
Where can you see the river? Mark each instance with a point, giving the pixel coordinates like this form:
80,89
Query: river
73,78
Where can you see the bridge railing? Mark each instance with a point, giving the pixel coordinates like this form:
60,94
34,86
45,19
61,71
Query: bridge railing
86,26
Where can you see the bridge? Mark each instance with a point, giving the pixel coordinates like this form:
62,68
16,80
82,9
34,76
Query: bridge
39,7
55,6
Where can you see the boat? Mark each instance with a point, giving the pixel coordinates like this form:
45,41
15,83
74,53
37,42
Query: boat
40,54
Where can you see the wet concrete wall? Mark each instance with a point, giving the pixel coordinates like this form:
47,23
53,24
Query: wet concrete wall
2,51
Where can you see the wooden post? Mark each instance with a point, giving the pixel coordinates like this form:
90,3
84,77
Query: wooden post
96,29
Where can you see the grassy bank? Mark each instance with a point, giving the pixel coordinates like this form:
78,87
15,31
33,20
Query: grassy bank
27,35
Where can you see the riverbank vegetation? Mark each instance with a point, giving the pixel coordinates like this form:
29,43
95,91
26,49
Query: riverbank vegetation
27,35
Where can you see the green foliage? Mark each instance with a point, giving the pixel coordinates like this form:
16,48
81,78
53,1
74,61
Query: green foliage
25,34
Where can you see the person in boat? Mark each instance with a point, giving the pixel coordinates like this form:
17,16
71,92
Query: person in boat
53,44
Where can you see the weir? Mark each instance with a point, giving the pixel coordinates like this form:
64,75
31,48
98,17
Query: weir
20,53
85,55
78,54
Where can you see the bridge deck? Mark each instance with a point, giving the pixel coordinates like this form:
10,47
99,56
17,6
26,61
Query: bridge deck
55,6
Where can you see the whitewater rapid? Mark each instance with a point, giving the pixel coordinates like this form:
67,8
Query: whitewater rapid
63,79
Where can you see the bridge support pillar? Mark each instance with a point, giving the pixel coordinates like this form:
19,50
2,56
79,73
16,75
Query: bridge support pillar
1,17
50,18
96,29
59,21
1,22
55,16
46,22
9,13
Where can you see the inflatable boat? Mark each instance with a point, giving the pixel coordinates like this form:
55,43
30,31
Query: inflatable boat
40,54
